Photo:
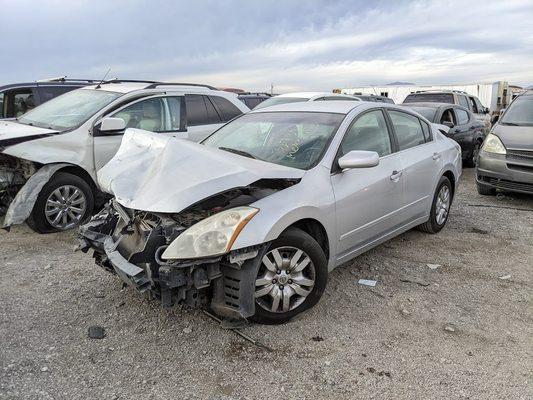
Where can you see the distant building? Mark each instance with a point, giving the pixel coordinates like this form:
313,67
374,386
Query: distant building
492,95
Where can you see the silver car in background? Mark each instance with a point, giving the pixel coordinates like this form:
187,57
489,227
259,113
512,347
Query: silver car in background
251,220
506,158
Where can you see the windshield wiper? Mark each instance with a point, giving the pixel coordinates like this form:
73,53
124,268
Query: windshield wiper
239,152
511,123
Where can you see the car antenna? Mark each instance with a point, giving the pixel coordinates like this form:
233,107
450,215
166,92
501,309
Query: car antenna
103,79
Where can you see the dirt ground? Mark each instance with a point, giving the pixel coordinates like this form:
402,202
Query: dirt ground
462,330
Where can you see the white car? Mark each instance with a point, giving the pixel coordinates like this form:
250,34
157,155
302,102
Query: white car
304,96
49,156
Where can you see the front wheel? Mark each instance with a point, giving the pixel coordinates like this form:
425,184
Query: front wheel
63,203
291,278
440,208
473,159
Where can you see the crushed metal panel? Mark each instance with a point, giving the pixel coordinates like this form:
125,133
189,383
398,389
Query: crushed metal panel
155,173
22,205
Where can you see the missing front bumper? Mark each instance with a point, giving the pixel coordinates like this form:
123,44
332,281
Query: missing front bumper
225,284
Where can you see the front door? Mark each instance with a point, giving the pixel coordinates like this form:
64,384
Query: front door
163,115
367,199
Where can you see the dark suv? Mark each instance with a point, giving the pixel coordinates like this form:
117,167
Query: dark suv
18,98
453,97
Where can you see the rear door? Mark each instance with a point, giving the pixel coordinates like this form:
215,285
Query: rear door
421,162
367,199
464,131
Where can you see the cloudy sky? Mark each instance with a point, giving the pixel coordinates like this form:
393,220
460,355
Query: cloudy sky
295,45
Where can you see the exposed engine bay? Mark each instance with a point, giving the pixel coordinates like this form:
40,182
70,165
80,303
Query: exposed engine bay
14,173
130,243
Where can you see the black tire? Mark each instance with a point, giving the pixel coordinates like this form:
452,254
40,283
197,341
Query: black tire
301,240
37,219
485,190
472,160
432,226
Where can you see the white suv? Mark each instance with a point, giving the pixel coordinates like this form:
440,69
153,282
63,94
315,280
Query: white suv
49,157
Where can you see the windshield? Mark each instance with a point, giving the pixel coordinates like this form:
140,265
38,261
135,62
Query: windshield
426,112
274,101
429,97
69,110
520,112
292,139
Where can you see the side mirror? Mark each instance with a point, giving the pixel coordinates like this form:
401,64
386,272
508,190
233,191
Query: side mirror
448,124
110,124
486,110
359,159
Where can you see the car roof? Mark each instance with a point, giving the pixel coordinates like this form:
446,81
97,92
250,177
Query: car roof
428,104
128,87
336,106
308,95
42,84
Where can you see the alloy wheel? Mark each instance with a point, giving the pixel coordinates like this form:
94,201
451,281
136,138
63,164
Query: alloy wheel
285,279
65,207
442,206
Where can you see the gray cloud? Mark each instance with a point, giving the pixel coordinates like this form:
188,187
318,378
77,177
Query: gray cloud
293,44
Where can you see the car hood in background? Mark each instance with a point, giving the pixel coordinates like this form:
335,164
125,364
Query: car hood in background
158,173
12,133
515,137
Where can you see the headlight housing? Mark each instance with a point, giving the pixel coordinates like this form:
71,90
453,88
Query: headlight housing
212,236
493,144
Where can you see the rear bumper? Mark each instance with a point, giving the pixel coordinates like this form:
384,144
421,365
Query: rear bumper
498,172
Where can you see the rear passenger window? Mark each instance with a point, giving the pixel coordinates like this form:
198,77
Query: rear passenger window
212,114
408,130
462,116
369,132
228,110
196,110
463,101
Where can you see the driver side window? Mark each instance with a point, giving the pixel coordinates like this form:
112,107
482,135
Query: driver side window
148,115
369,132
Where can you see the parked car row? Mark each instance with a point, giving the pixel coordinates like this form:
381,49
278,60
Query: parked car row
205,202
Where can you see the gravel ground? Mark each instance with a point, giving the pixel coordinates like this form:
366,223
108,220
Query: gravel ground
462,330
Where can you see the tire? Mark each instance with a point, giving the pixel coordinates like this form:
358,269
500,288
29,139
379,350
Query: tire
434,224
316,270
66,184
472,160
485,190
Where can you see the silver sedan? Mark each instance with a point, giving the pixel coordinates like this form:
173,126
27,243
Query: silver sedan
250,221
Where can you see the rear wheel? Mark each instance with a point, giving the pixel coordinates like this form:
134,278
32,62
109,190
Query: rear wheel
440,209
63,203
291,278
472,161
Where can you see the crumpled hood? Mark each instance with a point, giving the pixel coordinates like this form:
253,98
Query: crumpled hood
12,132
159,173
515,137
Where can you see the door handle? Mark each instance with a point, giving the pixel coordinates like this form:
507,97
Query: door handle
436,156
396,175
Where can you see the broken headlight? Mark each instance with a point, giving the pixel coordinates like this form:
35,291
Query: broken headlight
212,236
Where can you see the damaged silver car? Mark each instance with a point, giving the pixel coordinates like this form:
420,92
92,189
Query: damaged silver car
250,221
